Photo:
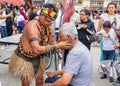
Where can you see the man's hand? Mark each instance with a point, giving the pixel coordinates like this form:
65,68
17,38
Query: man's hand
50,74
64,45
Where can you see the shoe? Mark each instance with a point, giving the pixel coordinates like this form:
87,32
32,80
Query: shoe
103,76
111,79
116,83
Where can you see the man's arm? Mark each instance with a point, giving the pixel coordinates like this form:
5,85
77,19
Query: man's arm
34,39
2,10
6,16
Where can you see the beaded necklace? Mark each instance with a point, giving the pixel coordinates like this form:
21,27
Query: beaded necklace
45,34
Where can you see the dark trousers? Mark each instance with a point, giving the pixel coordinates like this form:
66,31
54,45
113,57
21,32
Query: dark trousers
52,80
109,55
56,33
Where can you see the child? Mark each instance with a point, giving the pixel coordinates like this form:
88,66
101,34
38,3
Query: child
108,48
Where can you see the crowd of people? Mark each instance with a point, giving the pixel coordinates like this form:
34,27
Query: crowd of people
43,31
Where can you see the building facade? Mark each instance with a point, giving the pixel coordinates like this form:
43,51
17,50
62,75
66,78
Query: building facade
94,4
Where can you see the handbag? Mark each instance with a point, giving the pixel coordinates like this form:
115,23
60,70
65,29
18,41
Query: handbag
92,37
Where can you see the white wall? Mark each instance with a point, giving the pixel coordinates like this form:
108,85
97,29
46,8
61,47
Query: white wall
106,3
86,3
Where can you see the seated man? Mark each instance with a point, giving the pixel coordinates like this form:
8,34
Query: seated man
78,67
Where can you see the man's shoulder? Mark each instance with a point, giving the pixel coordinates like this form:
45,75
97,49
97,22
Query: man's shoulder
32,23
79,48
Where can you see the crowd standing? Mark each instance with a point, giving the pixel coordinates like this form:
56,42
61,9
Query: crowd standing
38,38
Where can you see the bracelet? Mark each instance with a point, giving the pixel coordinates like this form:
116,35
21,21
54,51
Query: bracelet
54,47
50,48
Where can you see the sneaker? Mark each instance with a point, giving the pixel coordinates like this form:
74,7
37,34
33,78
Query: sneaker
116,83
103,76
111,79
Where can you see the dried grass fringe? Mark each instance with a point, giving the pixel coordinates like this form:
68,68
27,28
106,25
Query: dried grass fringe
19,66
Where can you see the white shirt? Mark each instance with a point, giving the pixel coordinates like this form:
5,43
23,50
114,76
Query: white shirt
57,22
108,43
19,18
3,21
74,18
107,17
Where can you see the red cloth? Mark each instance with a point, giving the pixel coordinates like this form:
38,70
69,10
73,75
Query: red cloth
24,15
67,10
118,37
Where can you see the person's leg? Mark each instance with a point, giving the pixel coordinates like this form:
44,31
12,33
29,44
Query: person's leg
105,55
25,82
111,55
39,77
4,34
51,80
117,82
103,75
4,31
18,30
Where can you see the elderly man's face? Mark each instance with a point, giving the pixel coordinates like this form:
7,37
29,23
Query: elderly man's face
62,37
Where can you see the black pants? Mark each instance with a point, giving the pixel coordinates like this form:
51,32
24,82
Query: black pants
70,85
56,33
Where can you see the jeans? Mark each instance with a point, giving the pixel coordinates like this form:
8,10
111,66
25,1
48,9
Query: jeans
52,80
20,29
109,55
3,31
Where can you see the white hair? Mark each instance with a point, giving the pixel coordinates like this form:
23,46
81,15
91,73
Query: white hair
69,29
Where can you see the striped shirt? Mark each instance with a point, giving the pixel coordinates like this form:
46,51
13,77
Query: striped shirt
79,63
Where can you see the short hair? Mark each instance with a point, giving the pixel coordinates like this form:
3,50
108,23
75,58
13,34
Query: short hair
69,29
86,11
107,24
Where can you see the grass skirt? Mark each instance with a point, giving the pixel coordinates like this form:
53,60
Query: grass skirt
23,68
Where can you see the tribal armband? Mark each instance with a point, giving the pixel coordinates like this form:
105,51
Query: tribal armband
33,39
